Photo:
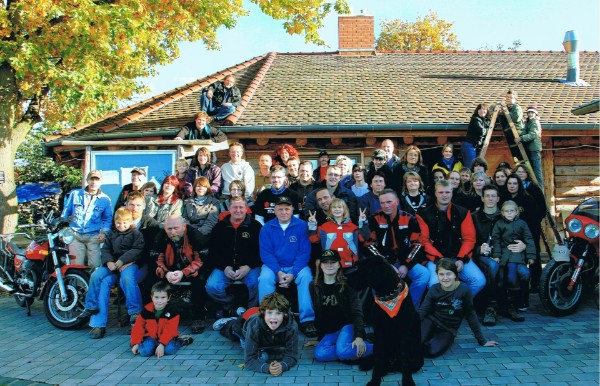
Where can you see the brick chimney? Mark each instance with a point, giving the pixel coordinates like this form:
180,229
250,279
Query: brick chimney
356,35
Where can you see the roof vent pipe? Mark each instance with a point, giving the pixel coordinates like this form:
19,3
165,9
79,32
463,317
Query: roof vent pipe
570,44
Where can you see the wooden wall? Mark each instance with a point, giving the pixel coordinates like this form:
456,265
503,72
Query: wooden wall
576,172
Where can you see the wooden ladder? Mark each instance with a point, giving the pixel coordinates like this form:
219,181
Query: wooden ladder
518,153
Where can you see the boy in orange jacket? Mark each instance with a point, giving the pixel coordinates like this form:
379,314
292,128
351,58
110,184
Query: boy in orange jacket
156,329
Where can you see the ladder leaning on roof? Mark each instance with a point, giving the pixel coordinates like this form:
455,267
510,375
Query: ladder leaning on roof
518,153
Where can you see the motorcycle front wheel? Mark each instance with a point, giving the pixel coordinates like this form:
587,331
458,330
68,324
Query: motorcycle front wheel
63,314
554,294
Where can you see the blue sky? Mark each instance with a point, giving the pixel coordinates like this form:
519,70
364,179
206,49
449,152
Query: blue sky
539,24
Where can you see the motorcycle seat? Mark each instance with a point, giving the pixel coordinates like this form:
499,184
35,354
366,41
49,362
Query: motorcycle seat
16,250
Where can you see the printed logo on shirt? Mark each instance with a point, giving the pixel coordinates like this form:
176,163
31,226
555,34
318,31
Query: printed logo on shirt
245,235
330,300
293,239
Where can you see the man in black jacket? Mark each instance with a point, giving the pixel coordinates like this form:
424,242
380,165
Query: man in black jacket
234,254
221,98
198,129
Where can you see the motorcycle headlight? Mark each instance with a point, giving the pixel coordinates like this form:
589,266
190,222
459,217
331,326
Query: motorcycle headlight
591,231
574,226
67,236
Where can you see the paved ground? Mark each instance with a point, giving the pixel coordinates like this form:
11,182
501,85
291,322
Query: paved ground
542,351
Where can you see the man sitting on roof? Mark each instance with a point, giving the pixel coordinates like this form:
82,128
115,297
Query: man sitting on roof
198,129
221,99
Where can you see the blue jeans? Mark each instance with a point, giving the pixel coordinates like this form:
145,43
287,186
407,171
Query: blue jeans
419,277
338,346
535,159
515,273
217,283
471,275
266,285
149,345
221,112
98,295
489,268
469,153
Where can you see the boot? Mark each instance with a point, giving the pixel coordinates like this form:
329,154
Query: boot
489,319
511,311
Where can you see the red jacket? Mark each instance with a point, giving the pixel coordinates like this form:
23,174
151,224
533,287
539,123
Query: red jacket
163,329
452,235
344,238
188,258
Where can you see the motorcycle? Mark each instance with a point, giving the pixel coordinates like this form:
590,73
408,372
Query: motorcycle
44,270
569,276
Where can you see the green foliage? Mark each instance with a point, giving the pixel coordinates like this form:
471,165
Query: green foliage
499,47
33,166
428,33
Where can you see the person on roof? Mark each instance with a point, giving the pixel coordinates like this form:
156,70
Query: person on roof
221,99
199,129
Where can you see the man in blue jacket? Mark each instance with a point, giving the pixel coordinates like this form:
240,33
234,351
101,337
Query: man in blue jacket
285,252
90,216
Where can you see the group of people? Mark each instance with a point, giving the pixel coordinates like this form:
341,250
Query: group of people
244,239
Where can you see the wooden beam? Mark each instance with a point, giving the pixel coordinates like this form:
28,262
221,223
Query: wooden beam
568,181
576,170
548,175
87,164
578,191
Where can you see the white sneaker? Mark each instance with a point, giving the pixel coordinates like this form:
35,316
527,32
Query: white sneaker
220,323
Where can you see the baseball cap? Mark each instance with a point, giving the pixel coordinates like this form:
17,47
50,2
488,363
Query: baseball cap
379,153
322,153
94,173
283,200
330,255
138,170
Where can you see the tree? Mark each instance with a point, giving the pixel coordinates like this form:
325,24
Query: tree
69,62
428,33
514,46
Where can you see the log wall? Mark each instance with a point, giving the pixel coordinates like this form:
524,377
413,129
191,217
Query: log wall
576,174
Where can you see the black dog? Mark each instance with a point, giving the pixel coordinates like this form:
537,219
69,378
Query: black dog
397,345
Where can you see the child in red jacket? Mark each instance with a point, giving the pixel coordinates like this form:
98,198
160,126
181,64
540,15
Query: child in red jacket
155,330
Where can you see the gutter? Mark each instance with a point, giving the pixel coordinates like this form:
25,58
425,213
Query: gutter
391,127
108,136
587,108
303,128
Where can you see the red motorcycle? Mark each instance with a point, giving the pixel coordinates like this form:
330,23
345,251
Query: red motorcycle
573,271
44,270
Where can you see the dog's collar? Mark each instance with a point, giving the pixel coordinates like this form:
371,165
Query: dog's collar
392,294
392,306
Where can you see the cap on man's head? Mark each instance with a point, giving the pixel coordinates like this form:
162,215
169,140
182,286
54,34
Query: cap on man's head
94,174
138,171
533,109
330,255
283,200
380,154
322,153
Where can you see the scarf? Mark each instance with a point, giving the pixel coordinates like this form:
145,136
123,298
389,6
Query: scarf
278,192
391,303
185,252
448,162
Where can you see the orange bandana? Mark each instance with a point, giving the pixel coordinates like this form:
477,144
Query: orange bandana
392,306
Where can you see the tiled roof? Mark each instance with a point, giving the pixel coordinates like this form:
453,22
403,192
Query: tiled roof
385,89
393,88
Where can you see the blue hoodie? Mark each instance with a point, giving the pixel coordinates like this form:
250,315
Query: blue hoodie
289,248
